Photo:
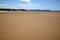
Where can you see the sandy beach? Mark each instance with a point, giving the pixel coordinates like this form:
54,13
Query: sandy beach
29,25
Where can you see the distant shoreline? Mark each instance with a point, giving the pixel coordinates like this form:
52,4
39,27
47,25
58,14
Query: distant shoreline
29,11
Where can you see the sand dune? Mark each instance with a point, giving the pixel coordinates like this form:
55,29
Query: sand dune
29,25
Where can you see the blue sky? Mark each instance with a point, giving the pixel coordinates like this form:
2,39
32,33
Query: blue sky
31,4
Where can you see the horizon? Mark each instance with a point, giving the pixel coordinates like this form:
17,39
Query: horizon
31,4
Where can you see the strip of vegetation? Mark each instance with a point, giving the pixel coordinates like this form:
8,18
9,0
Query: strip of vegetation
3,9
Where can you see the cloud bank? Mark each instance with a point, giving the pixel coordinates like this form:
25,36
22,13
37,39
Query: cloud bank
25,0
28,4
1,5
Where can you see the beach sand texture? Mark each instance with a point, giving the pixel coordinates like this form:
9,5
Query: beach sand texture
29,25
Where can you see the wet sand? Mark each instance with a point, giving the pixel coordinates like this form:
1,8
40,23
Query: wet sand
29,25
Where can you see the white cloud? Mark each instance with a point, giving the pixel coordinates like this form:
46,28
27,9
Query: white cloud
26,6
31,4
21,6
3,4
25,0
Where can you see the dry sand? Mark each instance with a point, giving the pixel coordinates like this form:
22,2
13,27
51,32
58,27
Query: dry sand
29,25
